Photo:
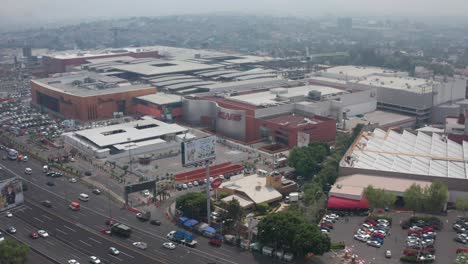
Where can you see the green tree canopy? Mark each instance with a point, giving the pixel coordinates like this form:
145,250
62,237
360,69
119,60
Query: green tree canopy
379,198
414,198
436,197
192,205
290,231
13,252
306,160
462,204
234,214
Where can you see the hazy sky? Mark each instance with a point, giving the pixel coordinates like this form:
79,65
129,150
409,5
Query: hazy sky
30,11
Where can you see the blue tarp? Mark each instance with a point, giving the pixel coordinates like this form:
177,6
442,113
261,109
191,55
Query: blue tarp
190,223
209,229
182,219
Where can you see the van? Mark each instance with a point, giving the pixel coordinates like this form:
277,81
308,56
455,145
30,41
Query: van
45,168
267,251
74,206
84,197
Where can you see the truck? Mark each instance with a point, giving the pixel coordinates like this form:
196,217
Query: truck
294,197
121,230
182,237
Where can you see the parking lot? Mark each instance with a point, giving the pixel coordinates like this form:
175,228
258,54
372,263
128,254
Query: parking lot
444,244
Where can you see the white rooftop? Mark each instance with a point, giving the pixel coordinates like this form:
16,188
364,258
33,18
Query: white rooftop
159,67
248,186
134,131
243,202
161,98
407,152
268,97
357,71
415,85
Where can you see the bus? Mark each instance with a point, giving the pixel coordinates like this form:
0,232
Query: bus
121,230
12,154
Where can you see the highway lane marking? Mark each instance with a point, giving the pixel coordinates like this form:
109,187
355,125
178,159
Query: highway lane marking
58,230
116,257
50,243
46,217
71,229
90,238
38,219
159,252
85,207
74,217
100,210
89,245
75,256
130,256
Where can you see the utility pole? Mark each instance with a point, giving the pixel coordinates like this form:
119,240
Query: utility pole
208,205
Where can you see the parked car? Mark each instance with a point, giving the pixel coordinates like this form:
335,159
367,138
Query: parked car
362,238
373,243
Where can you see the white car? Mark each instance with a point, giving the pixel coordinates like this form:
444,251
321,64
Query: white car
383,221
324,231
114,251
146,193
388,254
9,214
373,243
361,232
73,180
169,245
427,257
43,233
94,260
140,245
72,261
28,171
368,226
195,183
362,238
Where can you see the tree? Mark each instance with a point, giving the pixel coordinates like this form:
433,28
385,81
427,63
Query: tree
462,204
306,160
234,214
192,205
262,207
379,198
13,252
436,197
414,198
312,192
289,231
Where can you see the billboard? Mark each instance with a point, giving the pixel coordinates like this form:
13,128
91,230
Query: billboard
11,194
303,139
198,150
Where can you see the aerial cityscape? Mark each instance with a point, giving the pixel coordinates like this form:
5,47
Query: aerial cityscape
222,133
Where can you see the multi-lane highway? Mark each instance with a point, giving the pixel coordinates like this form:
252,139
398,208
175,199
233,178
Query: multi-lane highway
85,239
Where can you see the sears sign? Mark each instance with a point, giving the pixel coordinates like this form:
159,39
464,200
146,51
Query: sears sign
229,116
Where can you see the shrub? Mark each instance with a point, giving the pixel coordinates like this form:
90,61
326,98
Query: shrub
375,217
337,246
262,207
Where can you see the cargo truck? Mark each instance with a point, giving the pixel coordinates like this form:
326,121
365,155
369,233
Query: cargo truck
182,237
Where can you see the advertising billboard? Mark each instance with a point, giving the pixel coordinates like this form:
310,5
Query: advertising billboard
198,150
303,139
11,194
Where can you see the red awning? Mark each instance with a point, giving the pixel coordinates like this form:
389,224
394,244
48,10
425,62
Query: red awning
343,203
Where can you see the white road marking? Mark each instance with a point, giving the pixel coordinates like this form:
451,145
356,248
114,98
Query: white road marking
46,217
74,256
89,245
50,243
116,257
100,210
71,229
90,238
58,230
159,252
38,219
130,256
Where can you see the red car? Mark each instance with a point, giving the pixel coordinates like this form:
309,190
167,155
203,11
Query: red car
34,235
110,221
414,232
428,229
106,231
378,235
216,242
462,250
371,222
414,252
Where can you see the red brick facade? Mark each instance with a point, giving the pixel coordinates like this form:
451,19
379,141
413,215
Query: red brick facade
89,107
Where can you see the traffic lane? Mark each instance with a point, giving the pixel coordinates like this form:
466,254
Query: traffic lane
49,246
80,238
95,216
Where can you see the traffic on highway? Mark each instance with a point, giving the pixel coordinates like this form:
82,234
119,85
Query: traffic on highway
74,223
